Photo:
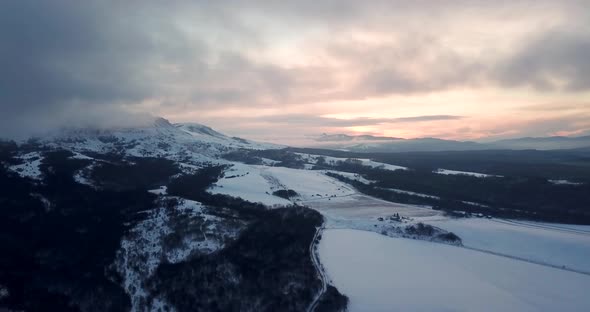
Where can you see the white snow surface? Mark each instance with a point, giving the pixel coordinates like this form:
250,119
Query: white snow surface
564,182
143,249
350,175
310,184
313,159
553,244
162,190
380,273
455,172
411,193
257,183
30,166
198,143
250,183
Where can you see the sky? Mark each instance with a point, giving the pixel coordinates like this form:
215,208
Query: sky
282,71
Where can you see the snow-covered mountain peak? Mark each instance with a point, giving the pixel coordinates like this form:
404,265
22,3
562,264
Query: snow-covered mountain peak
199,129
154,138
160,122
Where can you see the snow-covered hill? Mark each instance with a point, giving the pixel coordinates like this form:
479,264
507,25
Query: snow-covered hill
191,142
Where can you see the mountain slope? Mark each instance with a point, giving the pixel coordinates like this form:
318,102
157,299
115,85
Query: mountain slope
159,138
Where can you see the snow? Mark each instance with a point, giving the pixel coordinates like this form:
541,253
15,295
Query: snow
30,166
547,243
269,162
564,182
257,183
80,156
162,190
350,175
198,143
380,273
82,176
3,292
313,159
249,183
411,193
473,174
144,248
308,183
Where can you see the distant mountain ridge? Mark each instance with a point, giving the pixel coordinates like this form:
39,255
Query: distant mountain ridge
369,143
347,138
553,142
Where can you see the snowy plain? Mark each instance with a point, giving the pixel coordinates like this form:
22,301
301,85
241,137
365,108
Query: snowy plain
257,183
554,244
455,172
380,273
313,159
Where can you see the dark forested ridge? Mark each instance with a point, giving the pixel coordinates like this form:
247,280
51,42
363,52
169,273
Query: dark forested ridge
56,254
59,239
270,259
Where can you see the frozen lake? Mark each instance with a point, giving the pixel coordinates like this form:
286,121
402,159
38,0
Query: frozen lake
380,273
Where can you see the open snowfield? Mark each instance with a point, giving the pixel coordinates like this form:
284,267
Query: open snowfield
257,183
455,172
359,206
309,184
554,244
249,183
380,273
30,166
313,159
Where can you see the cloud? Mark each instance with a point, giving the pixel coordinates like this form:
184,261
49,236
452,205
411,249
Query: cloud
68,58
553,61
63,60
318,121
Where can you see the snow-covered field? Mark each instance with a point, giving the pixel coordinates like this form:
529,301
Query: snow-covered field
313,159
249,183
380,273
564,182
309,184
455,172
554,244
360,207
350,175
30,166
257,183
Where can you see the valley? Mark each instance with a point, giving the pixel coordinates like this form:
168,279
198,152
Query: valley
228,224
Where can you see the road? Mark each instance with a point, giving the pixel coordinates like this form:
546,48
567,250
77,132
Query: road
316,263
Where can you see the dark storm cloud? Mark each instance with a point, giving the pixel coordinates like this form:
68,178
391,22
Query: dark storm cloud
60,56
62,60
556,60
56,50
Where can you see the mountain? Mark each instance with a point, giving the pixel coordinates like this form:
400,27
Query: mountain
157,138
544,143
369,143
180,217
417,145
374,144
350,138
132,219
